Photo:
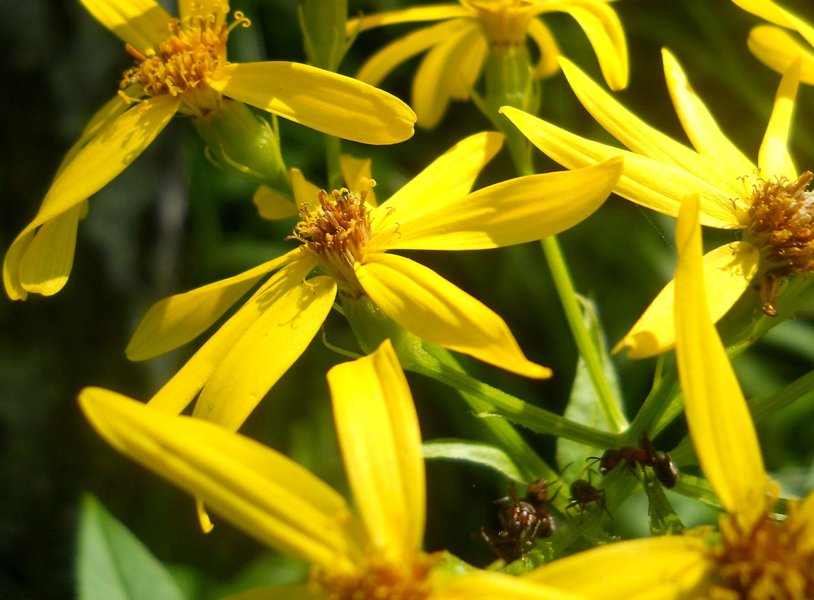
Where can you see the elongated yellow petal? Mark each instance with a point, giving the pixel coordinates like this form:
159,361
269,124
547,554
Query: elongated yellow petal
674,564
720,425
140,23
47,262
448,178
381,447
423,302
645,181
774,159
273,205
293,591
604,30
305,192
511,212
638,135
549,50
728,271
178,319
777,49
260,491
768,10
407,15
489,585
179,391
325,101
449,70
700,126
357,176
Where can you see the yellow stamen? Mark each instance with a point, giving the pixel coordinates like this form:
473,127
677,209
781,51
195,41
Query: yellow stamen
379,580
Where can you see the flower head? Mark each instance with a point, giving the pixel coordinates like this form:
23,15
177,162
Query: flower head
458,45
182,67
371,553
345,250
768,201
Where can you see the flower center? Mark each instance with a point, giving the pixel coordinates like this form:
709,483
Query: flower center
337,231
781,225
772,560
505,23
379,580
182,63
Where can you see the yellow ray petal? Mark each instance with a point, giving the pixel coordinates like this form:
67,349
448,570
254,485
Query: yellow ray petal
777,49
273,205
428,305
47,262
449,177
140,23
486,585
774,159
630,568
638,135
644,181
358,178
720,425
292,591
328,102
448,71
179,391
178,319
604,30
700,125
305,192
406,15
381,447
767,10
728,271
549,50
260,491
265,351
511,212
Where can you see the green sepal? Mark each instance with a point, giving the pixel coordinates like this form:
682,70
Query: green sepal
323,31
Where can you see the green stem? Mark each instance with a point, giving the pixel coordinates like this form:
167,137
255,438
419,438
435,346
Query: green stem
661,406
332,153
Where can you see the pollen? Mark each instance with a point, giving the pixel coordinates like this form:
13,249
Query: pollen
781,226
337,231
379,580
183,62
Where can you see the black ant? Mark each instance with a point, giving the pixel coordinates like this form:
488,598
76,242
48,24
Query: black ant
646,455
583,493
522,522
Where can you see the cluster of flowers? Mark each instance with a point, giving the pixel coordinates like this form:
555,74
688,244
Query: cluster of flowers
406,315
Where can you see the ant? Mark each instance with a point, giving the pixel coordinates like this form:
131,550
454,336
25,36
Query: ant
583,493
645,455
522,522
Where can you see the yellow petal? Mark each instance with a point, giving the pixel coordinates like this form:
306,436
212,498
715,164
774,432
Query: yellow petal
292,591
265,351
406,15
717,415
645,181
357,176
549,50
305,192
700,125
511,212
449,70
767,10
140,23
260,491
325,101
380,440
449,177
179,391
486,585
676,565
638,135
47,261
777,49
774,159
431,307
178,319
728,271
604,30
273,205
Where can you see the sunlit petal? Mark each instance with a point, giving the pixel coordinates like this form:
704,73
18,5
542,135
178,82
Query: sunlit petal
486,585
406,15
305,192
381,447
178,319
511,212
717,415
272,204
777,49
265,351
262,492
140,23
47,262
358,178
768,10
325,101
644,181
728,271
428,305
774,159
547,45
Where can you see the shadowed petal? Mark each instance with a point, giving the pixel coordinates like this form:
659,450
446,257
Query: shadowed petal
549,50
140,23
330,103
428,305
273,205
406,15
486,585
357,176
774,159
728,271
47,261
777,49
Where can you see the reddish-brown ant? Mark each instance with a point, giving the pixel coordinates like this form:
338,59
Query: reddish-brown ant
583,493
646,455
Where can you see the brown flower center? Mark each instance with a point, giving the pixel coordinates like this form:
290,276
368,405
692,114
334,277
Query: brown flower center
379,580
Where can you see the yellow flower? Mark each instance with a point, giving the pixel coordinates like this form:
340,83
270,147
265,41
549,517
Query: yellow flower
755,557
774,46
181,68
346,241
767,201
373,554
457,47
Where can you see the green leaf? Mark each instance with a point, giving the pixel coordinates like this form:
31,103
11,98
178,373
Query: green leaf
479,453
663,518
113,564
